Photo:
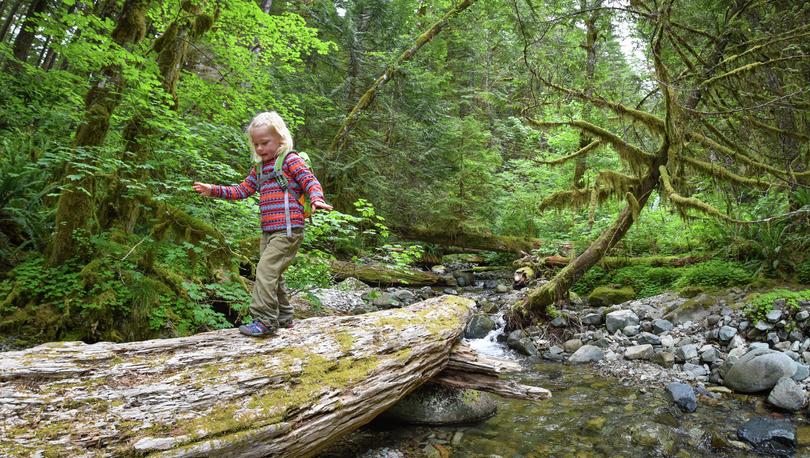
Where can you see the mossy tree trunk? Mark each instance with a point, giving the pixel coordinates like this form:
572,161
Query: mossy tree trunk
221,393
473,240
76,208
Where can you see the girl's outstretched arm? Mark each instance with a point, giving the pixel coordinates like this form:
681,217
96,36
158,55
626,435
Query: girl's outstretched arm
203,188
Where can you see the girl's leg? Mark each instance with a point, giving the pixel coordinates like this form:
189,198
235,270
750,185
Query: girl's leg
279,250
285,310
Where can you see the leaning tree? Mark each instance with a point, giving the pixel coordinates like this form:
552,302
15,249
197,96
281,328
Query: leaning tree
730,104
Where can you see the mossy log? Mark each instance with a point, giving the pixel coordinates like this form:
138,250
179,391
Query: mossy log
375,274
609,262
221,393
469,239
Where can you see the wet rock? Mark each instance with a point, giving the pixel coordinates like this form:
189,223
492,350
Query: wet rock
464,278
769,436
433,404
518,340
661,326
572,345
802,315
726,333
554,353
652,436
620,319
586,354
664,359
683,396
639,352
604,295
759,370
478,327
788,395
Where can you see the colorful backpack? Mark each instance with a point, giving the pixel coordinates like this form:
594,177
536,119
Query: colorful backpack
282,180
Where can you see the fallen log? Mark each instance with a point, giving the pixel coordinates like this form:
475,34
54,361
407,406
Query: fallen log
375,274
608,262
469,239
220,393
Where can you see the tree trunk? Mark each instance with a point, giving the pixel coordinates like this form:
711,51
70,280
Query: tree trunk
76,206
591,34
224,394
25,39
380,275
10,19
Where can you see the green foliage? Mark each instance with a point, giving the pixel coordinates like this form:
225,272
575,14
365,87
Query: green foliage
648,281
308,270
761,304
803,272
595,276
716,274
401,256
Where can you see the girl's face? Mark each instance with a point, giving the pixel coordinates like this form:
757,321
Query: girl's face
266,142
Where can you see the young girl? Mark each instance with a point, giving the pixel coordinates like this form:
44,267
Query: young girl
282,228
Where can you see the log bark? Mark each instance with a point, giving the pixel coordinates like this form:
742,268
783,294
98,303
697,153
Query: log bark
381,275
221,393
611,262
480,241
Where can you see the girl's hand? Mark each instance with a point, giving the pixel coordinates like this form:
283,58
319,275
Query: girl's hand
203,188
319,204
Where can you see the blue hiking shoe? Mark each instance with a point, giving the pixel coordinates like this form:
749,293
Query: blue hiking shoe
256,329
287,324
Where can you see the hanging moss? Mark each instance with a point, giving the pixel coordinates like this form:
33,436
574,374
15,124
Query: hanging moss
633,204
686,203
582,152
566,199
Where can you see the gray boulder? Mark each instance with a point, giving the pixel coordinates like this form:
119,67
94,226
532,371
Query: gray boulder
683,396
639,352
520,341
685,353
661,326
478,327
620,319
788,395
592,319
664,359
759,370
726,333
770,436
433,404
587,354
572,345
649,338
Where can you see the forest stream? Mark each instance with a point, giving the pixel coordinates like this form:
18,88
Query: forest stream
592,413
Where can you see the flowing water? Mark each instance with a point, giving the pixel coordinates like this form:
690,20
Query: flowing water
589,415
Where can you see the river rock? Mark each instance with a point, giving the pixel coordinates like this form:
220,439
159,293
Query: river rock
404,296
586,354
661,326
386,301
559,322
771,436
630,331
759,370
788,395
774,316
572,345
620,319
478,327
639,352
695,370
802,315
649,338
501,288
604,295
520,341
685,353
433,404
758,346
464,278
352,284
664,359
802,372
592,319
726,333
709,355
683,396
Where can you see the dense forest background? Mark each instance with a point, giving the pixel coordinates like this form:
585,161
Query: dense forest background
648,128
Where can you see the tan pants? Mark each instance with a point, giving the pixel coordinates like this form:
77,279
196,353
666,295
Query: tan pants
270,303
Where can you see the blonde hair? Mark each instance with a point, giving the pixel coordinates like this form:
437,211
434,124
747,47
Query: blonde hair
273,121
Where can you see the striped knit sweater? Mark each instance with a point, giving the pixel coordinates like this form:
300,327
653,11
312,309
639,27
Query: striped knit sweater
271,196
